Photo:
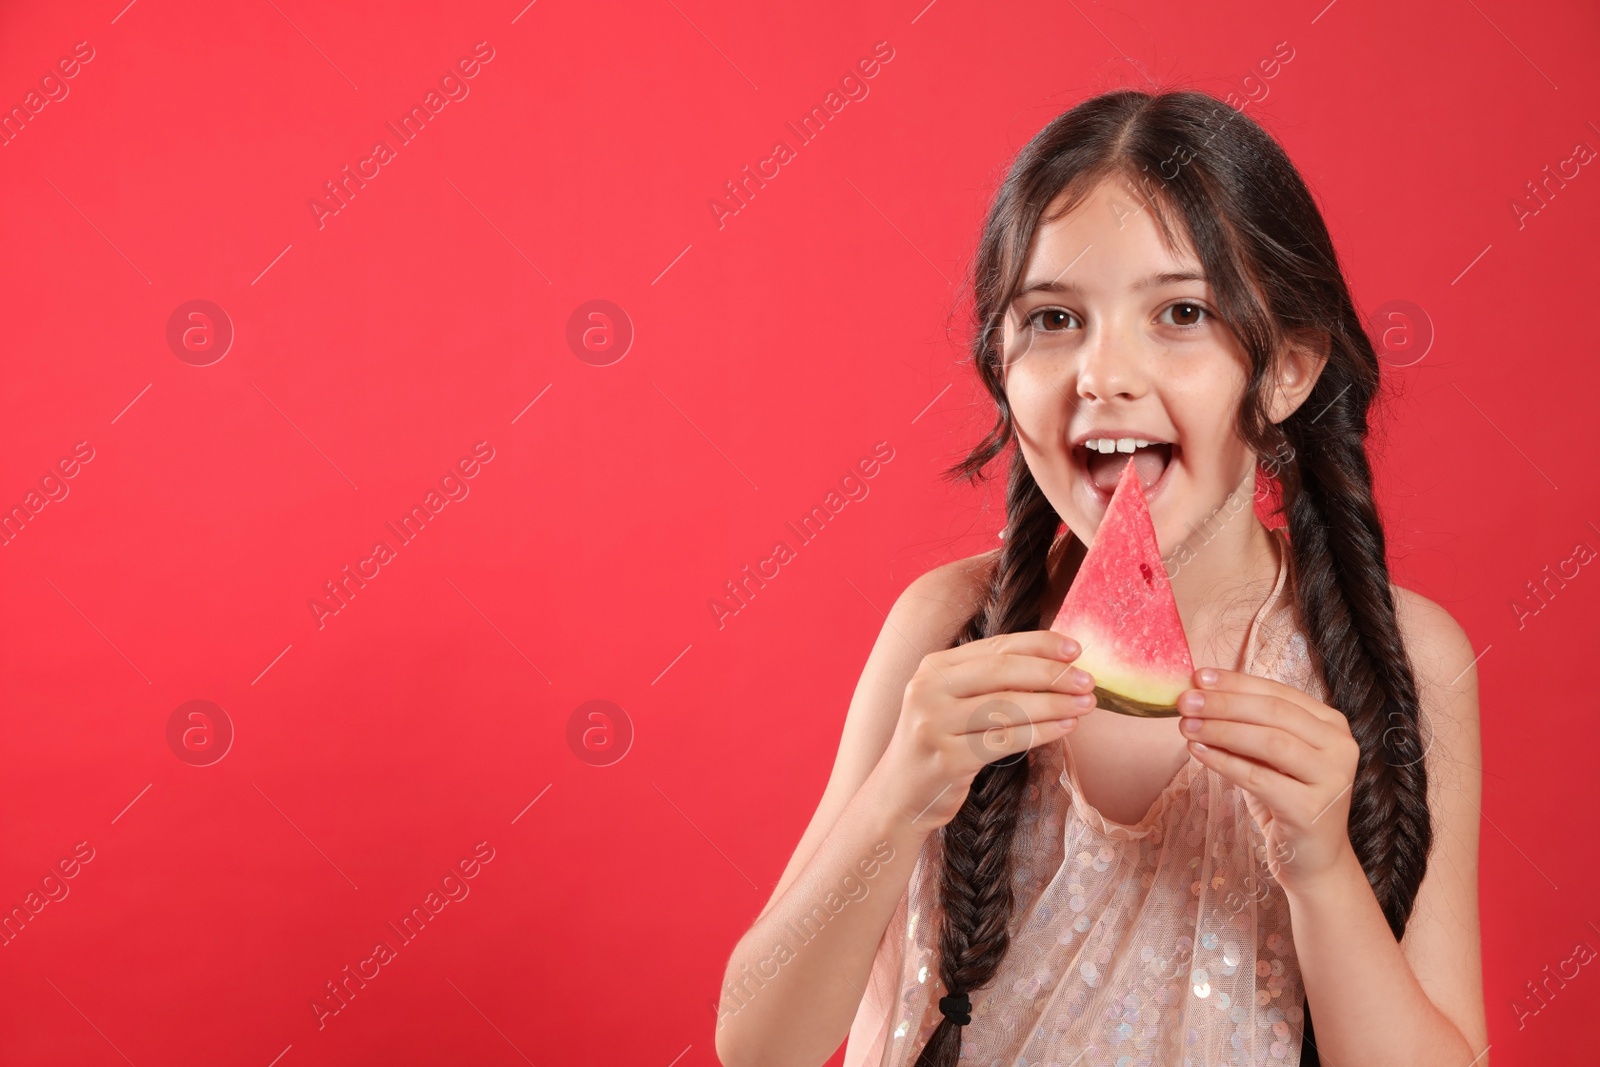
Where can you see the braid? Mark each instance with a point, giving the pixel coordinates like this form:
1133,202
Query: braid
975,881
1348,607
1266,250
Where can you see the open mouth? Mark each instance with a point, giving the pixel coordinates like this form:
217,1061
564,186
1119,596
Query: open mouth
1102,459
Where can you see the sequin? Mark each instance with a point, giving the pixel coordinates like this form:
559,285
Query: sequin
1208,940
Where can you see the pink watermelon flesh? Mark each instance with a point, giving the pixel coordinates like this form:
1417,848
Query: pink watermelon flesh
1121,612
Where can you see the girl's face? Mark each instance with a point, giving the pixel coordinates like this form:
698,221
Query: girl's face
1113,339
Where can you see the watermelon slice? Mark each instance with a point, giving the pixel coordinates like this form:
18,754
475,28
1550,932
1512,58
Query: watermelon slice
1121,612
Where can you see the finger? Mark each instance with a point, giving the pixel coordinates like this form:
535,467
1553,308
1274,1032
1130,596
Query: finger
982,675
1268,745
1004,730
1016,709
1259,708
1274,789
1046,644
1239,682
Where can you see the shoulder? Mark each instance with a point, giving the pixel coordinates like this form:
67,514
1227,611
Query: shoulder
938,602
1439,649
1445,668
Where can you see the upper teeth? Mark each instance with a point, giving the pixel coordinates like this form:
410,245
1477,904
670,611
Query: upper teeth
1117,444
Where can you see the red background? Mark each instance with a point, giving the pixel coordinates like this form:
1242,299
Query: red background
770,354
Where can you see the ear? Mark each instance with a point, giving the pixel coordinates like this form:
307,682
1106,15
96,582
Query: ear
1298,368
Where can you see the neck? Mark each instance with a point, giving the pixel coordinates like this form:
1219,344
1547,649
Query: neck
1220,577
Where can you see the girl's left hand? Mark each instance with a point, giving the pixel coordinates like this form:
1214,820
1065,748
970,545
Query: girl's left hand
1292,756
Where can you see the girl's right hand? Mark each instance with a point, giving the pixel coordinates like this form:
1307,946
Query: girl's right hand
975,704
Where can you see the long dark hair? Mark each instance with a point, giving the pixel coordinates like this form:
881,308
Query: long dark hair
1270,262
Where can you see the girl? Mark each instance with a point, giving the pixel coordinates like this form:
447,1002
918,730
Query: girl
1154,273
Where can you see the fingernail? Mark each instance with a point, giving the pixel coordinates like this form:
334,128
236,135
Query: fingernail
1068,725
1190,725
1069,647
1200,746
1085,700
1192,700
1208,676
1080,677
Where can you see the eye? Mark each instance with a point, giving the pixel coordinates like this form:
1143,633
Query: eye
1050,319
1188,310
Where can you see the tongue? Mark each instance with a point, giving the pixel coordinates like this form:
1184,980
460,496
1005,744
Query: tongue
1106,467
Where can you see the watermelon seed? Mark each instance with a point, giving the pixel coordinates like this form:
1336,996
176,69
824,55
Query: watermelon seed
1149,577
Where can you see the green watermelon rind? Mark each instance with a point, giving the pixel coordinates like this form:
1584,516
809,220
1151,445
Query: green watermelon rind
1111,701
1117,689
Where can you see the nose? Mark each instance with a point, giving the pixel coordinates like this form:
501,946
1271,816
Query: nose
1110,368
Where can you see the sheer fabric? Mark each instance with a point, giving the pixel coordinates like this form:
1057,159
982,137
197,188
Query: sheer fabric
1166,942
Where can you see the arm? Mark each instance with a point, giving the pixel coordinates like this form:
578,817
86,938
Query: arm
1420,1001
794,1004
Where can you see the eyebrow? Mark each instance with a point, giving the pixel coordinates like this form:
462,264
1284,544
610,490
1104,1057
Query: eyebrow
1056,286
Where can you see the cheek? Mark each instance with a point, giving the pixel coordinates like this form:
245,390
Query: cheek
1205,412
1038,407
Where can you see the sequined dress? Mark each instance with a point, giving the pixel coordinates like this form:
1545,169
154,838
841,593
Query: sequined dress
1166,943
